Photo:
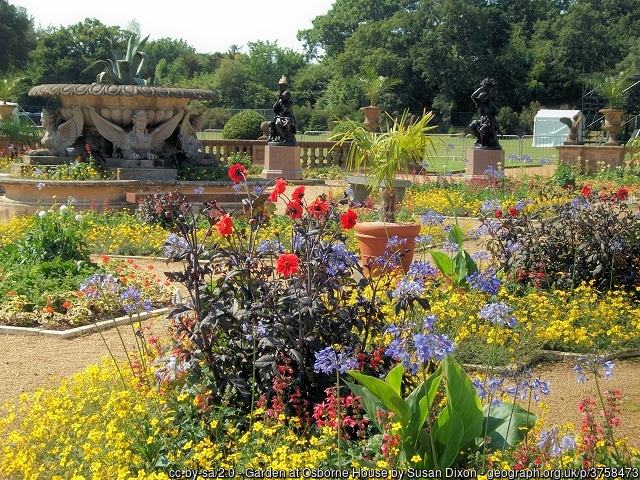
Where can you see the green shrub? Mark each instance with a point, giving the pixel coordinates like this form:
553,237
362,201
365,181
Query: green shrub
244,126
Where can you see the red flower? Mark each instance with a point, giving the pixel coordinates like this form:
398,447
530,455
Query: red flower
237,173
294,209
11,293
318,208
287,264
498,213
66,305
298,193
622,194
225,225
278,189
570,186
348,219
513,212
586,191
49,309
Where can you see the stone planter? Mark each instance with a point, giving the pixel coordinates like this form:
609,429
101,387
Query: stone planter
26,196
372,117
373,238
6,110
612,118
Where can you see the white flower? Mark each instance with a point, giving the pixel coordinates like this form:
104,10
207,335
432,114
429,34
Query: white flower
42,214
63,208
78,218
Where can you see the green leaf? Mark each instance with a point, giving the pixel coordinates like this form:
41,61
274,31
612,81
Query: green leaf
448,432
420,401
385,394
394,378
371,404
463,399
455,236
507,425
444,263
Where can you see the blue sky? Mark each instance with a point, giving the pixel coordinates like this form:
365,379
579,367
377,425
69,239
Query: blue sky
208,26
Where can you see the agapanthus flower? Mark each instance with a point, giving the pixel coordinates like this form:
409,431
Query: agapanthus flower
430,217
498,312
486,282
450,247
422,268
287,264
491,206
175,246
594,365
130,299
198,190
254,331
97,284
328,361
269,246
339,259
237,173
394,242
408,288
40,185
424,240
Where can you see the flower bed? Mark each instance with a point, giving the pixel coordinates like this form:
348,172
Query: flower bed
287,356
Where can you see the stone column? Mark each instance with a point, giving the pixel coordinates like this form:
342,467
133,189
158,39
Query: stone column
282,161
479,159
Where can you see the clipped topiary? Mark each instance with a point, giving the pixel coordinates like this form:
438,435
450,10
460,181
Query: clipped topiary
244,126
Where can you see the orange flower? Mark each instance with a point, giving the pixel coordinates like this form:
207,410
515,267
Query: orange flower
11,293
49,309
287,264
348,219
66,305
225,225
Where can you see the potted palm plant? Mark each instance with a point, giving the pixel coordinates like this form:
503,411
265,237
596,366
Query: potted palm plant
613,87
374,86
381,156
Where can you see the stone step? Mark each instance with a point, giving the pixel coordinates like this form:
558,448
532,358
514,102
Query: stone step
145,174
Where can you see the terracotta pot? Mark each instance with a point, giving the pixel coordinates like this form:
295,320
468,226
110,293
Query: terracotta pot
373,238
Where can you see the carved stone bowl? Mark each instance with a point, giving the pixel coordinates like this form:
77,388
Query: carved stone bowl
117,103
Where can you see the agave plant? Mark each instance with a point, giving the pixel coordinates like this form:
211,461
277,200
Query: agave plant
127,68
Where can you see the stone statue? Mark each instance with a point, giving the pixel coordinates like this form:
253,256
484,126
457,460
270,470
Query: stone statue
190,126
138,143
59,134
485,129
574,127
282,129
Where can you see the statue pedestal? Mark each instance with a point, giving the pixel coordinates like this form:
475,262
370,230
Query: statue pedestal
282,162
479,159
587,157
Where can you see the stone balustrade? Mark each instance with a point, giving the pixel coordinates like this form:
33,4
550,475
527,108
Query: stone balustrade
312,154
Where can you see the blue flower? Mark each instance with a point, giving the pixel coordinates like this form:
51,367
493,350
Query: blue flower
424,240
175,246
408,288
491,206
328,361
430,217
394,242
592,365
486,281
498,312
198,190
432,346
130,299
450,247
422,268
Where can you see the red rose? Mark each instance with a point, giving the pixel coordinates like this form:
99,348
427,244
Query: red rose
287,264
237,173
622,194
348,219
318,208
513,212
298,193
225,225
498,213
294,209
586,191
